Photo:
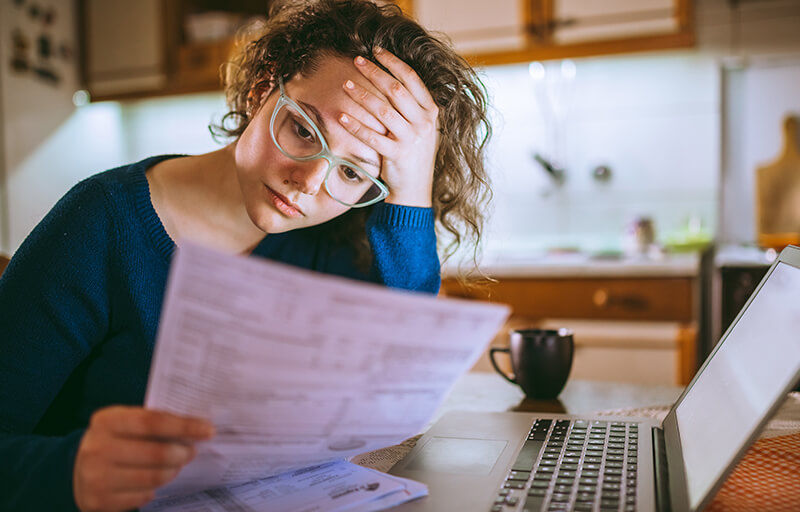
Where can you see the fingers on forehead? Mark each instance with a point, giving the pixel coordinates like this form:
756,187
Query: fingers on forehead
360,114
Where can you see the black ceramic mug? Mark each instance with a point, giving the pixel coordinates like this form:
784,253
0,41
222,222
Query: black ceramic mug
541,360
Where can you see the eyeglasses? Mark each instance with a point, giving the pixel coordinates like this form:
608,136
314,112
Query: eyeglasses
297,137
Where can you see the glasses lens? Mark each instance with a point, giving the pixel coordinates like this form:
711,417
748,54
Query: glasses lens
352,185
294,134
298,138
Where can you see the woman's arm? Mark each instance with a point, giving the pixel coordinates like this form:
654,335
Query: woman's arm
403,242
53,309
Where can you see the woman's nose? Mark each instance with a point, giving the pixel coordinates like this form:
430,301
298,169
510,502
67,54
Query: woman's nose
309,176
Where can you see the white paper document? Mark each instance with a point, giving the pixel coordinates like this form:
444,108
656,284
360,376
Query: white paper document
329,487
297,368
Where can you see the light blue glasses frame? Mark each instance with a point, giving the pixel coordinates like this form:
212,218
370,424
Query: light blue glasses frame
324,152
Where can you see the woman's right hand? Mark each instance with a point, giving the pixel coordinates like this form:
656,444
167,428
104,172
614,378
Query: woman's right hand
128,452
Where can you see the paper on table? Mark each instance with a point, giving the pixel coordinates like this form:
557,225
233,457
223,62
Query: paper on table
296,368
335,486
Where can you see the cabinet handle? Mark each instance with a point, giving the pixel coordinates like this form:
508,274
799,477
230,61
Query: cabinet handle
600,298
603,299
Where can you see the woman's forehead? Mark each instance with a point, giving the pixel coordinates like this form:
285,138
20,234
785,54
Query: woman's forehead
322,89
328,75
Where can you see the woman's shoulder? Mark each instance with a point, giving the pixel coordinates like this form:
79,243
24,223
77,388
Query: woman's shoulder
128,175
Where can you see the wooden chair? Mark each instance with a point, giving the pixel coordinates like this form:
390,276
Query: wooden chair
3,262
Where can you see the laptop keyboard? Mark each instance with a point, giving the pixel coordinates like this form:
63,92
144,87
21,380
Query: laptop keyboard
582,465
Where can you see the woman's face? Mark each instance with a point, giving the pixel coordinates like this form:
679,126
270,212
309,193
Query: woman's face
282,194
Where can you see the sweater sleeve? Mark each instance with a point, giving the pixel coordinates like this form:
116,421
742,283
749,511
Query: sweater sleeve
54,308
403,242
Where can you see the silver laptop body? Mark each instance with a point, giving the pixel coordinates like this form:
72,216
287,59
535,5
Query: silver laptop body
470,459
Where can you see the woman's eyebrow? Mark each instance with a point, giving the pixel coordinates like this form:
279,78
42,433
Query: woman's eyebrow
324,128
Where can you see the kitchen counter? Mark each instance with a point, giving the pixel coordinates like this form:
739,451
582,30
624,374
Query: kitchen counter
731,255
585,265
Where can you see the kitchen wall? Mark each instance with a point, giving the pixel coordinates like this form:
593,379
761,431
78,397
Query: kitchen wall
655,120
36,89
652,120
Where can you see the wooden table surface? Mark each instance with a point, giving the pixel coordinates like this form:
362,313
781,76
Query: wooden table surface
488,391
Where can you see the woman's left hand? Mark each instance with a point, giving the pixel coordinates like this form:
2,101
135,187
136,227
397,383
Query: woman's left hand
410,116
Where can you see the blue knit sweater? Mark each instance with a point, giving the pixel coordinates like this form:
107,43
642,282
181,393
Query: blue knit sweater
79,307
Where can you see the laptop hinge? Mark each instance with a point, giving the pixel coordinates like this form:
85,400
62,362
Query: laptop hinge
661,471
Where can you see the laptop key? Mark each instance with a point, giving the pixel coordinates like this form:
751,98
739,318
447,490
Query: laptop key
533,503
519,475
527,456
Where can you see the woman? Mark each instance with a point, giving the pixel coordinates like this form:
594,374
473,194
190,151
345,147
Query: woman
354,131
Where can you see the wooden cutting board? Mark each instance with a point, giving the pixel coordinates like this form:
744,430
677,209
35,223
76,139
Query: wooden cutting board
778,193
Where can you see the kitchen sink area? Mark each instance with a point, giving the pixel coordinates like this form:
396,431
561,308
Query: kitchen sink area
580,263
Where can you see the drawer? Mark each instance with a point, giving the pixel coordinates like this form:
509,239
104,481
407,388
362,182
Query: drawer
653,299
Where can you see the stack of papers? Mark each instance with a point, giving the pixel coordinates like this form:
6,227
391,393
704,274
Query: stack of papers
330,487
299,371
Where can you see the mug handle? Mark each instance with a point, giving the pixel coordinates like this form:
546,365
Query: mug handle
494,363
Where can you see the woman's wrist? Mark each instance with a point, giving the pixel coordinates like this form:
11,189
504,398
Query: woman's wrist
421,197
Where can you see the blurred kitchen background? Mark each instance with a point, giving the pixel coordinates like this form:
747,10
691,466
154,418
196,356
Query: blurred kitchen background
627,139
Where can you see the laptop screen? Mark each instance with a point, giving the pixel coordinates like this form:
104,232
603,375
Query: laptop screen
757,361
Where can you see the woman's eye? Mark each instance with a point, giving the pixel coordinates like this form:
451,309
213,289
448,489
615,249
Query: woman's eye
303,132
350,174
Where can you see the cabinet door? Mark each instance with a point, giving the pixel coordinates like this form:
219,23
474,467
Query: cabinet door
124,46
590,20
476,26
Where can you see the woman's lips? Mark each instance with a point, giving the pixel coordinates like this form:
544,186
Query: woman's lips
283,204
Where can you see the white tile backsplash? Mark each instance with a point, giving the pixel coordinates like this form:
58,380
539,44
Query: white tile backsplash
653,119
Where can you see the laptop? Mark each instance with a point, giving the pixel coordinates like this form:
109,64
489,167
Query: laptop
510,461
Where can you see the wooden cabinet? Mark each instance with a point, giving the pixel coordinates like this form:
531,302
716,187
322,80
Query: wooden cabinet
138,49
510,31
123,46
617,298
477,26
147,48
636,329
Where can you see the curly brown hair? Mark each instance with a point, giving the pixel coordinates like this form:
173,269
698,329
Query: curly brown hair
298,34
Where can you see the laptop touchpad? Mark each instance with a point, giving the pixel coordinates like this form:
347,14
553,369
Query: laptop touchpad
458,455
